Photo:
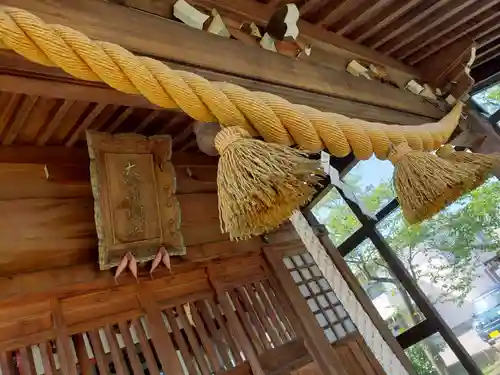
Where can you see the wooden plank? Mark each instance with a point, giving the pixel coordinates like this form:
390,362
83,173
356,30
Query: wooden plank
286,358
85,124
99,353
180,340
271,313
8,109
237,329
49,367
69,121
159,335
360,357
22,114
26,364
263,317
247,324
240,293
205,338
279,69
84,364
63,342
131,349
227,334
37,119
282,309
216,334
7,364
193,341
145,347
116,352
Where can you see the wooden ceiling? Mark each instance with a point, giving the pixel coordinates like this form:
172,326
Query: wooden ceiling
410,31
40,121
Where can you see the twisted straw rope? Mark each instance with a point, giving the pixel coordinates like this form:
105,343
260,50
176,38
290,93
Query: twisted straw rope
270,116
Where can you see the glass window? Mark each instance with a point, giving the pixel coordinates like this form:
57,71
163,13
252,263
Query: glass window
333,212
488,99
433,356
448,257
372,182
389,297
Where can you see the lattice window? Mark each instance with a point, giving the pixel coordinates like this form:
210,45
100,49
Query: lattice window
320,297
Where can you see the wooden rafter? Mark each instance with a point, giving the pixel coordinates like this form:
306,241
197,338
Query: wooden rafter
487,53
475,30
490,37
408,20
333,12
380,21
444,26
433,20
360,15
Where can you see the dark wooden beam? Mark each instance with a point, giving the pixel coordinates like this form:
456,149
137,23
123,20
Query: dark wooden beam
110,22
486,74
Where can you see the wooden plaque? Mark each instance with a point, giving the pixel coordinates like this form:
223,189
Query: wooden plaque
133,183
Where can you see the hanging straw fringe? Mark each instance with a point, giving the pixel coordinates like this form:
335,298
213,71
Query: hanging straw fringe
425,183
485,163
260,184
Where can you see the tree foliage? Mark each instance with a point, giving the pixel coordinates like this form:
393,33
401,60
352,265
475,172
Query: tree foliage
443,251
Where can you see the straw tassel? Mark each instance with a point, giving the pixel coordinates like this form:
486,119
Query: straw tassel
425,183
260,184
485,163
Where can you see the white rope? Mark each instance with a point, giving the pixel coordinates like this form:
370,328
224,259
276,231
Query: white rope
384,354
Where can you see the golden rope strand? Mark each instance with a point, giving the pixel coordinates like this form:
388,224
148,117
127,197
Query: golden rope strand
271,116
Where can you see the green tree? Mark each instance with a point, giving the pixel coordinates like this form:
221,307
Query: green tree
449,244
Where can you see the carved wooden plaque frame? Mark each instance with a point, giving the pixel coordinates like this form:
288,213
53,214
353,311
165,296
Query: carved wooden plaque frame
133,183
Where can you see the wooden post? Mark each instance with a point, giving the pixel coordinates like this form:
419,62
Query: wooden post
63,341
314,336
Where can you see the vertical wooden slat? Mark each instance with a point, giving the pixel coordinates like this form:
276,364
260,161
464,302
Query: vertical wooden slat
26,365
263,317
360,357
131,350
282,309
235,348
54,123
246,324
49,367
22,114
254,319
99,354
216,334
7,364
271,313
208,344
86,367
181,342
193,341
160,336
116,352
238,330
63,342
145,347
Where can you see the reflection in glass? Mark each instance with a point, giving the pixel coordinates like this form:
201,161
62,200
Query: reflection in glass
432,356
333,212
390,298
371,181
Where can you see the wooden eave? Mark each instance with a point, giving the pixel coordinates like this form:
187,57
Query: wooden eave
219,59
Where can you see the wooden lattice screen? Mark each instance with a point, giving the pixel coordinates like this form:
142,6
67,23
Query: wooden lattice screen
226,316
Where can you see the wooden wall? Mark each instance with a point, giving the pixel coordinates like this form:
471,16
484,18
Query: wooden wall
50,223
